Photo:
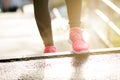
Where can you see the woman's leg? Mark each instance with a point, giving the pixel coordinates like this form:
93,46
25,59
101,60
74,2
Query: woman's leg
74,15
43,20
74,12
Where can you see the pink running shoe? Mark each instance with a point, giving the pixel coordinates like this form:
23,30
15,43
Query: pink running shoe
78,43
50,49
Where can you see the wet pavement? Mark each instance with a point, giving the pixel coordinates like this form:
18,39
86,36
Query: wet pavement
97,67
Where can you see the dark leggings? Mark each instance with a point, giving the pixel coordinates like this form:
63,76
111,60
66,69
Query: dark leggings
43,19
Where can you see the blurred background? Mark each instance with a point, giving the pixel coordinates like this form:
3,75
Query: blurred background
19,33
